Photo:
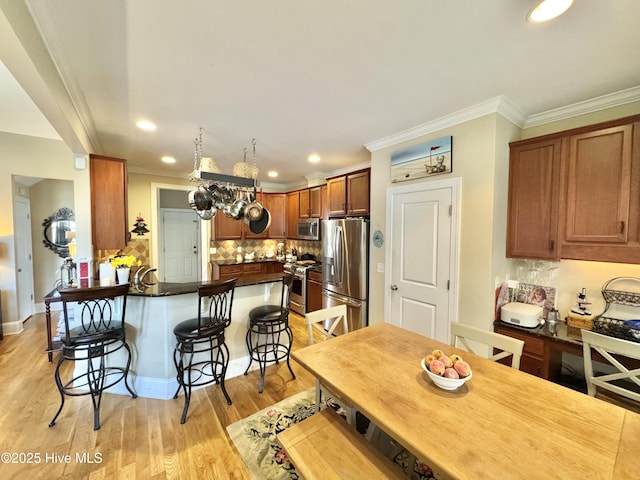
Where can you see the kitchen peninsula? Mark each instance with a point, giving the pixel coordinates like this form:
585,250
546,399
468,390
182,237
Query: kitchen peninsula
152,313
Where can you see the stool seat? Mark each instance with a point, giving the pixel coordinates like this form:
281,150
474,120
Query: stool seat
189,329
266,313
81,336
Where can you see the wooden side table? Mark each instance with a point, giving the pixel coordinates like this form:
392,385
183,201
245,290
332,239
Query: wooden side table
52,297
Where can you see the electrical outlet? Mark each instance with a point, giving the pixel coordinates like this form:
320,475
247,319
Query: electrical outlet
213,250
380,267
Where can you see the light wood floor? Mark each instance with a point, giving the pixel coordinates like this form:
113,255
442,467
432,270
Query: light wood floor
140,438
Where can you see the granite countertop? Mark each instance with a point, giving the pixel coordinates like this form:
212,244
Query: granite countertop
558,332
164,289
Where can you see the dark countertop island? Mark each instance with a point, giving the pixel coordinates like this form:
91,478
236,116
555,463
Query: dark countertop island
163,289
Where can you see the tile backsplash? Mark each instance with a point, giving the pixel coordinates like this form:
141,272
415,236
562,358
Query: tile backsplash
228,249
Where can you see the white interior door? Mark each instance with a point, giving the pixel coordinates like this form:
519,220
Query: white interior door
421,257
24,258
181,246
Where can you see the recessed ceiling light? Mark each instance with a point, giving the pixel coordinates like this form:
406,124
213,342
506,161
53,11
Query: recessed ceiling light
273,174
144,125
314,158
168,159
548,10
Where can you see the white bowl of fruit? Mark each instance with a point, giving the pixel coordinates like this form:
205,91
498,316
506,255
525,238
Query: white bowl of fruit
447,372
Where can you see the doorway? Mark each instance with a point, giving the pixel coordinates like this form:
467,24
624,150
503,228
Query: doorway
422,255
24,257
174,198
180,246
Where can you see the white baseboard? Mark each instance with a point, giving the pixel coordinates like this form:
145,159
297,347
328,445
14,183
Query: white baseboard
12,328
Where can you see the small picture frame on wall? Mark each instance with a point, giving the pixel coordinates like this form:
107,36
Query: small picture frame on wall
431,158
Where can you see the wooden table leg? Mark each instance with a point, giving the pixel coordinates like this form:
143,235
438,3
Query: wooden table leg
47,309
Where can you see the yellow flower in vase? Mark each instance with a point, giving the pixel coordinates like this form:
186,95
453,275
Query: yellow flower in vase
124,261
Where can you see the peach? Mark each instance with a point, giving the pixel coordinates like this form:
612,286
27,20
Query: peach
428,359
450,373
437,353
447,361
437,367
462,368
455,358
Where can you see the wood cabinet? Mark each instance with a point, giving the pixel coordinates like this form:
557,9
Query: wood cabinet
576,194
108,182
293,213
276,203
349,195
532,222
314,291
225,228
324,202
310,202
227,272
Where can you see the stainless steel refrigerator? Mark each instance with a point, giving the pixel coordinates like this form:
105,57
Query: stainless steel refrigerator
345,267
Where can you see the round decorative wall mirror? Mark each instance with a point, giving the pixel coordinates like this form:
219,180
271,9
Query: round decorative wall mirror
56,227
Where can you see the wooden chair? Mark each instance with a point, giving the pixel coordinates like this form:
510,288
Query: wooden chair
329,322
607,347
507,345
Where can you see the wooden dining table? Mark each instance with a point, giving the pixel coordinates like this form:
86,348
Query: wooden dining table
502,423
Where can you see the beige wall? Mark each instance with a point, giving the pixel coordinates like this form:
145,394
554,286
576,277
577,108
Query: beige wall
47,197
480,159
43,158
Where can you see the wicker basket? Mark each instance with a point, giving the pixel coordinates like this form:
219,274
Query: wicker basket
579,321
245,170
615,328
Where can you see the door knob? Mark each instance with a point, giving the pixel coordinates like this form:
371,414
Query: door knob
394,287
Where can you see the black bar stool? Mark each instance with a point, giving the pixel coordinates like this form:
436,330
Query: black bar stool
269,337
97,333
201,355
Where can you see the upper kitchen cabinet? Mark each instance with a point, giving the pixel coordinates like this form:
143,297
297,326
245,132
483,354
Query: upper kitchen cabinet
276,203
311,202
348,195
594,177
532,223
108,182
225,228
293,213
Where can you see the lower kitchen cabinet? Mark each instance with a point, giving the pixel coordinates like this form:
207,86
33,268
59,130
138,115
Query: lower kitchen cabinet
227,272
314,291
538,358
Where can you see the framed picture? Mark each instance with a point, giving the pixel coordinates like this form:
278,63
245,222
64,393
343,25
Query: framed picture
431,158
539,295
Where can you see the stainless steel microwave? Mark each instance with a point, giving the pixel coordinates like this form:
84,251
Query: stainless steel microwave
309,228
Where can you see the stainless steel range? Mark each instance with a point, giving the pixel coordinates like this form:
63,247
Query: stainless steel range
299,286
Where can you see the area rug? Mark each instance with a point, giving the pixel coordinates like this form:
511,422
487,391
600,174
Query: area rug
255,439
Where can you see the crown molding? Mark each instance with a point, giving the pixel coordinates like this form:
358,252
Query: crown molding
500,104
610,100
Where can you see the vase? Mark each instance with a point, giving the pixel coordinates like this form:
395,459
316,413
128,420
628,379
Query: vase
123,275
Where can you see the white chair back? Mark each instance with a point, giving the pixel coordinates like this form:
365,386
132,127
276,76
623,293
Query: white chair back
328,321
507,345
607,347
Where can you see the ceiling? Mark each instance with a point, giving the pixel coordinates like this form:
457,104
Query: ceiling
301,77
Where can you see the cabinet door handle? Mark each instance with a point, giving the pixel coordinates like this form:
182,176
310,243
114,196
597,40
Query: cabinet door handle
622,227
552,244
